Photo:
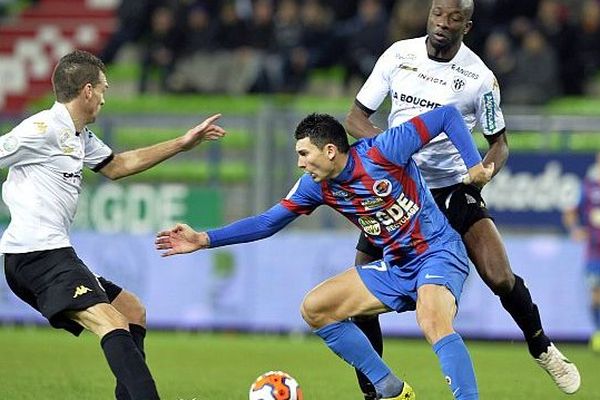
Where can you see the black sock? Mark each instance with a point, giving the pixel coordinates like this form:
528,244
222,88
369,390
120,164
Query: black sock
372,330
520,306
138,333
128,366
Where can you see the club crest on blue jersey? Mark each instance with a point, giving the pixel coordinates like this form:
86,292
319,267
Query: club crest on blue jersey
382,187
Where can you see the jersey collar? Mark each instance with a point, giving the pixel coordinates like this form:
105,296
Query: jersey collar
456,57
348,170
62,115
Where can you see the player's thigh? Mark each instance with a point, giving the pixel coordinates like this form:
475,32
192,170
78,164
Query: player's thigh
342,296
99,319
467,213
487,252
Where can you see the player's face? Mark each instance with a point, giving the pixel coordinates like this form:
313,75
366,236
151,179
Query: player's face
318,163
96,98
448,22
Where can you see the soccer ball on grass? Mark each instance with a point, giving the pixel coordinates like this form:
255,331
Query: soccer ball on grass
275,385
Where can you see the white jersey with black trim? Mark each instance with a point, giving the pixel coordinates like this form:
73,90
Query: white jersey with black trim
416,83
45,157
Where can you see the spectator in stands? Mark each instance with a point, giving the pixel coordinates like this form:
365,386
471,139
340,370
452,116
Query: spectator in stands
315,49
408,20
199,33
133,17
260,27
499,57
232,30
287,35
532,83
160,48
365,38
552,20
588,41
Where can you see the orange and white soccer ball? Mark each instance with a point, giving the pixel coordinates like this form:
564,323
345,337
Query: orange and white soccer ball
275,385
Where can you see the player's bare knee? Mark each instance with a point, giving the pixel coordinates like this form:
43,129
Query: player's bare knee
131,307
313,311
434,327
136,311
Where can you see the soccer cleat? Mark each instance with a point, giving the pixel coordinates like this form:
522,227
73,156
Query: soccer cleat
595,342
406,394
562,371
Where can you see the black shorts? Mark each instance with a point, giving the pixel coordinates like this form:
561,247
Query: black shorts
54,281
461,204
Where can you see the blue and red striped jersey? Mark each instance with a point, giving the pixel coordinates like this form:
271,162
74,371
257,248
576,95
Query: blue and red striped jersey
589,208
382,191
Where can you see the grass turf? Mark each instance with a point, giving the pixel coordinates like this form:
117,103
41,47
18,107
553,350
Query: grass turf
45,364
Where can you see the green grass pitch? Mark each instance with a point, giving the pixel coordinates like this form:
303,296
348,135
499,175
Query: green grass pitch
40,363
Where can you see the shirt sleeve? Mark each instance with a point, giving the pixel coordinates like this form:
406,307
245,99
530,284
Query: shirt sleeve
252,228
487,109
97,153
399,143
23,145
304,197
377,86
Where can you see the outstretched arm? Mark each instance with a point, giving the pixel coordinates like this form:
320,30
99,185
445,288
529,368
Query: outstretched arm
135,161
183,239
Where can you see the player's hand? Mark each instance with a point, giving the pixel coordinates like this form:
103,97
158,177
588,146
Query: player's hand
179,240
205,131
479,175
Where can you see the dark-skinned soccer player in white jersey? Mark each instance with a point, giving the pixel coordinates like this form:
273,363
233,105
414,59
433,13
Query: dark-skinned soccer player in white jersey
424,73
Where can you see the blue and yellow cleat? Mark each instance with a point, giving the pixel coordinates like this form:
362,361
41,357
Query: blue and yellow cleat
407,394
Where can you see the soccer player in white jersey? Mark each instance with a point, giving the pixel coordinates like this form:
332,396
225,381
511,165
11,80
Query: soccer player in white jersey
424,73
45,155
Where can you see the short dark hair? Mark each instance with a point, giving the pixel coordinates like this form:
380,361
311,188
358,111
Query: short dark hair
323,129
73,72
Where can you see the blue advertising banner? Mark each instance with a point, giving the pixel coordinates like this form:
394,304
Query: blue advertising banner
534,189
259,286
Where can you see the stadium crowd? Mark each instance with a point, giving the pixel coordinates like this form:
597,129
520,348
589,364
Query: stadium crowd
538,49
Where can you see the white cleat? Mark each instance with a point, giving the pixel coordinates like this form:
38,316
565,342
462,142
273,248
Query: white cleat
562,371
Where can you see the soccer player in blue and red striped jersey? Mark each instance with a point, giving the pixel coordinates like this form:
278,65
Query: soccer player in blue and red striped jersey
583,222
377,186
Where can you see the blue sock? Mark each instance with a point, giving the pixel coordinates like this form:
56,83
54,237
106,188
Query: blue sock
348,342
457,366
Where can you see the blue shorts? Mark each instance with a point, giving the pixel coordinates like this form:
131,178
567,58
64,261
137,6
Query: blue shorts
395,285
592,273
